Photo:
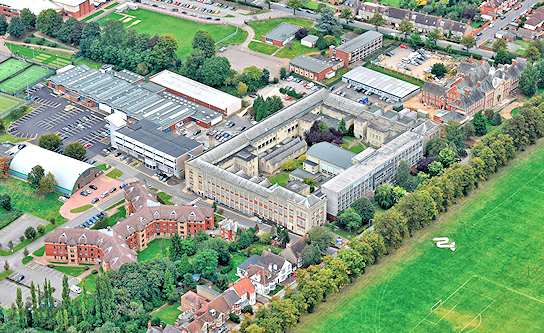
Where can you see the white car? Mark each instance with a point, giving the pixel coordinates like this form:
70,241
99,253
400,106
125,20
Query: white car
75,289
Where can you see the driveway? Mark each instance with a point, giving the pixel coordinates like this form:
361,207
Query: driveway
241,58
17,228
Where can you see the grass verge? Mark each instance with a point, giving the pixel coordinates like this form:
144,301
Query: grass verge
27,259
88,18
39,252
115,174
5,274
165,197
262,47
72,271
81,209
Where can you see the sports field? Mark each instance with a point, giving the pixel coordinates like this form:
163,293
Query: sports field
492,282
183,30
45,56
19,82
7,102
10,67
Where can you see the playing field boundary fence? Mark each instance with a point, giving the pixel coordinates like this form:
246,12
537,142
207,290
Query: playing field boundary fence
6,112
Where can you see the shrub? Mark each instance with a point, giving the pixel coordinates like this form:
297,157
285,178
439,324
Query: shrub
94,271
40,41
50,265
52,44
87,268
31,35
41,229
247,309
27,40
52,220
225,270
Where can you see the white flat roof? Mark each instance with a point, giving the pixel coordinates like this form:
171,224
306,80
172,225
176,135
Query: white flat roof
194,89
380,81
35,6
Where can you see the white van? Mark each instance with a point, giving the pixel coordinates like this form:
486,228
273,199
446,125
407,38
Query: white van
75,289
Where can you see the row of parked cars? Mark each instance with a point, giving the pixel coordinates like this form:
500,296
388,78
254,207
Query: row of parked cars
91,221
162,176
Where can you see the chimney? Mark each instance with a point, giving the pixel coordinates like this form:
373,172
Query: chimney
109,228
288,245
149,324
479,83
440,17
160,326
270,267
513,61
466,92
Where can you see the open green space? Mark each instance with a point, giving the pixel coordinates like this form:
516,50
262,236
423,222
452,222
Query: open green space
156,249
296,50
8,102
81,209
39,252
90,281
492,282
5,274
183,30
25,79
89,63
237,259
7,217
262,47
112,220
72,271
239,38
43,55
169,314
27,259
165,197
115,174
357,149
263,26
104,167
392,3
280,179
476,25
88,18
313,5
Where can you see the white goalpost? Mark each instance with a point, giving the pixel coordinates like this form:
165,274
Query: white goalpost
439,303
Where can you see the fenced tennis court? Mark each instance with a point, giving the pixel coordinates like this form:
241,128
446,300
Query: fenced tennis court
8,103
10,67
29,77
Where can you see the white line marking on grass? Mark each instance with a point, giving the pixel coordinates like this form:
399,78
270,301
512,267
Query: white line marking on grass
478,315
512,290
444,316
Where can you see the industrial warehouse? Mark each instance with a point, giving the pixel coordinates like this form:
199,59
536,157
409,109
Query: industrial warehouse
381,84
126,94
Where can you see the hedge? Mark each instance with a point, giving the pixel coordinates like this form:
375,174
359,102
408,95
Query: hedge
459,52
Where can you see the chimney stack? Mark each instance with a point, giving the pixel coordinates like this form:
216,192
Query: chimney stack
270,267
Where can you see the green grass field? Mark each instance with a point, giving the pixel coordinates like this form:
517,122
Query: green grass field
183,30
115,174
154,250
88,18
262,47
10,67
90,281
165,197
39,252
296,50
90,63
5,274
169,314
7,102
81,208
28,77
493,282
280,179
45,56
72,271
262,27
236,260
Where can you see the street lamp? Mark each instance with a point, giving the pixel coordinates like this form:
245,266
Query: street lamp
32,53
57,60
27,85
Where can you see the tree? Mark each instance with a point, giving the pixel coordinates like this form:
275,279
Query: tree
532,54
3,24
364,208
283,73
346,14
439,69
323,42
35,176
311,255
5,202
376,243
418,209
415,39
497,119
28,18
49,22
488,113
342,126
447,157
436,34
25,252
295,4
310,182
176,250
30,233
214,71
406,27
480,124
50,141
392,226
4,167
468,42
504,57
164,52
41,229
377,20
326,22
206,263
500,43
434,146
384,196
349,220
6,265
241,89
169,291
244,241
188,246
320,236
48,183
403,173
75,150
290,165
436,169
528,80
265,238
455,134
10,245
204,41
16,28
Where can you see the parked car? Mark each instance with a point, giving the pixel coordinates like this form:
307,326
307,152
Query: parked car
20,278
105,194
403,46
113,189
87,145
75,289
93,187
95,200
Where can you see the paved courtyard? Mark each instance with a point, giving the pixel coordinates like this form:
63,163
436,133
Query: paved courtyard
240,58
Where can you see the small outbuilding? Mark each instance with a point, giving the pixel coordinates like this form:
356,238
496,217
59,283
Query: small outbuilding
309,40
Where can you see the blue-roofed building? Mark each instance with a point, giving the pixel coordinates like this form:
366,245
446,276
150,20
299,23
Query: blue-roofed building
327,158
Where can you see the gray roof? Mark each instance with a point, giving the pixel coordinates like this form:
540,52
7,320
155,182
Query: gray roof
359,41
311,64
146,132
331,154
282,31
310,38
249,261
282,152
434,88
381,82
301,173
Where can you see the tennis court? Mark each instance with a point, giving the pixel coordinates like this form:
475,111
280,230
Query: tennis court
7,102
29,76
10,67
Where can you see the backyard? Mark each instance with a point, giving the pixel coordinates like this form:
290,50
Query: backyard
156,249
237,259
183,30
169,314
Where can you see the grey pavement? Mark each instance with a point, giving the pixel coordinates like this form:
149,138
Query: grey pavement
17,229
241,57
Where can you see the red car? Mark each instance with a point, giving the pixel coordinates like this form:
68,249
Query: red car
287,98
403,46
87,145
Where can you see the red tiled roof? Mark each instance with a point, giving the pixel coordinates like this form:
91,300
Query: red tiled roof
243,286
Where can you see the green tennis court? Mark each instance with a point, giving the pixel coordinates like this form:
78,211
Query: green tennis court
6,102
10,67
29,76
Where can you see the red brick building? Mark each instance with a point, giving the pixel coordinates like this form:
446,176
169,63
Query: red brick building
314,68
228,229
281,35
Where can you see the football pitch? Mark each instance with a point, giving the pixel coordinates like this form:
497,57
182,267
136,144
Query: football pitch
19,82
492,282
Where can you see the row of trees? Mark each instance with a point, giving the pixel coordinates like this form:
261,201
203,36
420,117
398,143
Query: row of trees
263,108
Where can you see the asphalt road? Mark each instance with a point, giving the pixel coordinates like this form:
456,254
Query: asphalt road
51,117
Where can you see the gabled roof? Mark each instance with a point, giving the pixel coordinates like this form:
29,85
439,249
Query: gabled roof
243,286
282,31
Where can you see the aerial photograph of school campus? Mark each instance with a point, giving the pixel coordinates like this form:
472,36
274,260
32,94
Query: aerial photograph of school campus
263,166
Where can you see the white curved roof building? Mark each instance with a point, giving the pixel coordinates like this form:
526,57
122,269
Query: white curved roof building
70,173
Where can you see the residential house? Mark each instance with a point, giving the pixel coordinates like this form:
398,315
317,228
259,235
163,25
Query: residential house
293,252
494,7
190,301
426,23
535,20
228,229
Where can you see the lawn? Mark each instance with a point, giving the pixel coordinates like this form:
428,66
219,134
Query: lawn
115,174
476,25
89,63
357,149
8,102
169,314
392,3
45,56
165,197
72,271
313,5
491,283
93,15
27,259
336,77
262,27
262,47
39,252
157,249
118,203
104,167
183,30
90,281
81,209
280,179
239,38
236,260
296,50
5,274
112,5
122,213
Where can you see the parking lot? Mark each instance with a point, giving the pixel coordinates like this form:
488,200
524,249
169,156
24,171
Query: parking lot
55,113
17,229
36,272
